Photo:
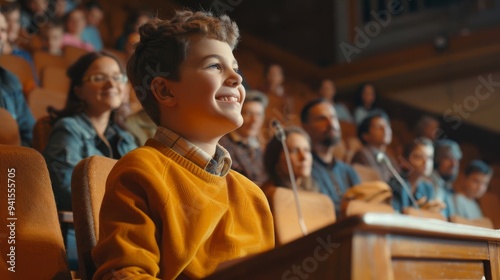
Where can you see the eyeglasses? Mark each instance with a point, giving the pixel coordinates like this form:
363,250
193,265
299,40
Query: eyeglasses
98,79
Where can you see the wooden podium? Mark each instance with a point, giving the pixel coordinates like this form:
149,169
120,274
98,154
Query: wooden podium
379,246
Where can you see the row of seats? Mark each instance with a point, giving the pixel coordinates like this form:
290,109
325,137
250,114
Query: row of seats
39,248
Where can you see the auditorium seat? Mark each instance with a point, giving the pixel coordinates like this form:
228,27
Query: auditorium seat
40,99
470,152
88,183
348,130
489,206
402,132
22,69
9,134
43,60
120,55
39,247
72,54
317,210
353,144
54,78
366,173
41,133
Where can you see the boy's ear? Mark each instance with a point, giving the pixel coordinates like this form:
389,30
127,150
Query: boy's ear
161,91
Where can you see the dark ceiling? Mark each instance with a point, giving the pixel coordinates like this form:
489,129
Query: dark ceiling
305,28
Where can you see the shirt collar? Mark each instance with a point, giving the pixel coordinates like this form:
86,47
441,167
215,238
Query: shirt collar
325,164
220,164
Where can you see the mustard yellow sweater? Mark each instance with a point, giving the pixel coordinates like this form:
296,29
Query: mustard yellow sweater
162,215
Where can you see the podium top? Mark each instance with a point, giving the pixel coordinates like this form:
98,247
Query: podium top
398,223
431,238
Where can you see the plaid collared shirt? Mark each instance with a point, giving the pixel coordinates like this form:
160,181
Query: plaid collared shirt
220,164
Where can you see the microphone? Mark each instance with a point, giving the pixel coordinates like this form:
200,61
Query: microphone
382,158
279,133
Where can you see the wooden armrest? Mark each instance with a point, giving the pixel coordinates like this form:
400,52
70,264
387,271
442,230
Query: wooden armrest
65,217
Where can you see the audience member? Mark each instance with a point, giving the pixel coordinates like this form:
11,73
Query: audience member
134,20
415,168
376,134
298,144
191,205
75,23
52,37
281,104
85,127
446,166
243,144
328,91
477,177
333,176
69,5
30,9
12,13
61,7
366,103
428,127
93,15
11,95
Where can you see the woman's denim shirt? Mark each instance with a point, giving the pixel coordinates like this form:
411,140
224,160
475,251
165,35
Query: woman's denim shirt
73,139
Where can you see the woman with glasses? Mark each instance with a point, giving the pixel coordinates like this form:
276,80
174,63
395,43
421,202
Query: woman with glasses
86,126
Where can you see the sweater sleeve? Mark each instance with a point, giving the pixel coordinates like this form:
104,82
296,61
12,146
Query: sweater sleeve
128,236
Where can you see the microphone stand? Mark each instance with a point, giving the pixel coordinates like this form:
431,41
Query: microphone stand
280,135
381,157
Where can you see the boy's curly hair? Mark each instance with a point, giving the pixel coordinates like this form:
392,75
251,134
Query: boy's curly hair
164,45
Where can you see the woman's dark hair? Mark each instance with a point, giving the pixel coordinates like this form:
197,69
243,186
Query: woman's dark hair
358,100
478,166
272,157
75,73
408,150
412,146
365,125
67,16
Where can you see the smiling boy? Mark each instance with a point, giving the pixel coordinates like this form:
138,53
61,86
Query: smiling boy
173,207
